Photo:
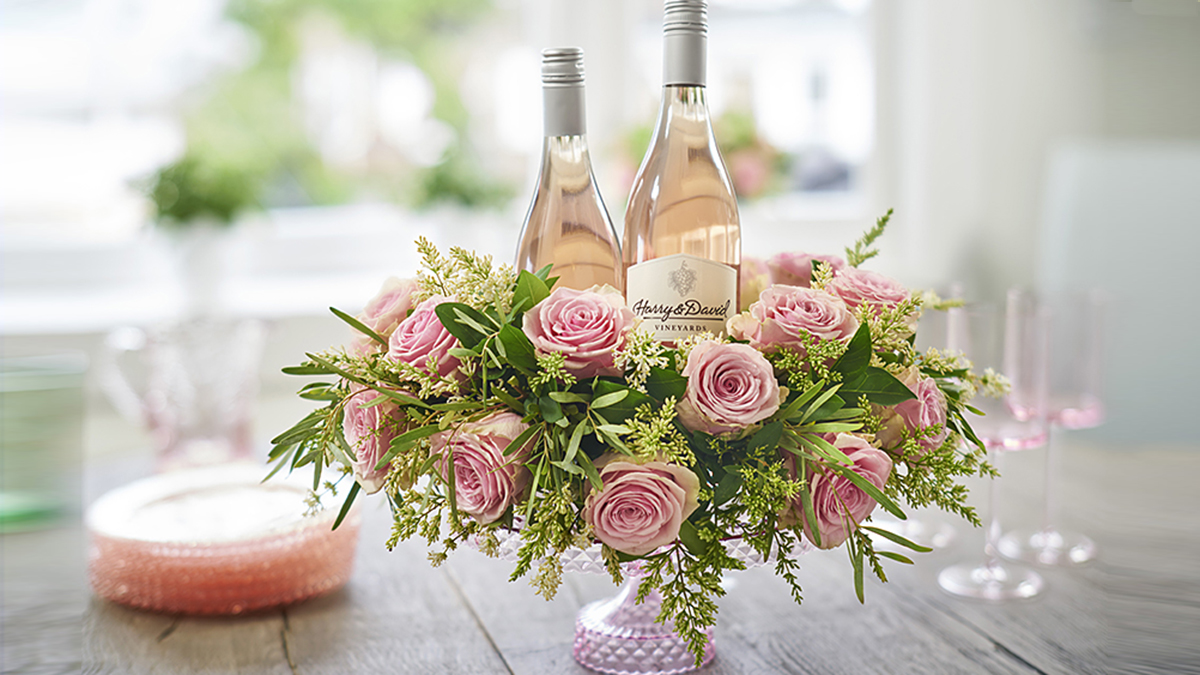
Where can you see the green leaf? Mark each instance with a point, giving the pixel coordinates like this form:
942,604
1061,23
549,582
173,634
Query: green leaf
832,427
879,386
458,405
767,437
346,504
551,410
623,409
469,334
856,559
508,400
690,536
568,467
895,556
662,384
869,488
519,442
823,448
576,436
569,397
816,406
402,398
518,350
611,398
306,370
728,487
405,441
806,502
359,326
857,355
888,534
790,411
589,469
531,289
544,273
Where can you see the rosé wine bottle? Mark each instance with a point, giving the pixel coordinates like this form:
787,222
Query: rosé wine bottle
567,225
682,233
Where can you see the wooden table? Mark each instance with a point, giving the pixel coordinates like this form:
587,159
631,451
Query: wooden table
399,615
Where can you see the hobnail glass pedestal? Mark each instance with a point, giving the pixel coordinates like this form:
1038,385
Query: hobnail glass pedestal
619,635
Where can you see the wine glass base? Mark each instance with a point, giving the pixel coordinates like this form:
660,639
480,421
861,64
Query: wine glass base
922,532
994,582
1052,548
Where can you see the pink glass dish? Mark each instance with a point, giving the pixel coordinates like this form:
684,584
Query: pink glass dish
215,541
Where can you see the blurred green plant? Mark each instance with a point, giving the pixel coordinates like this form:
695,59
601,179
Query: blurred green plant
194,190
251,118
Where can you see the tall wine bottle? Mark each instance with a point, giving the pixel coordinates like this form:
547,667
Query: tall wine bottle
567,225
682,246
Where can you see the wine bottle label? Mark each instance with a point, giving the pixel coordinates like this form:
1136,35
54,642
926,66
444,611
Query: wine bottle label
681,295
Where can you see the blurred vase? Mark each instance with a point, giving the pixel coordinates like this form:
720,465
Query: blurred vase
41,434
193,384
203,257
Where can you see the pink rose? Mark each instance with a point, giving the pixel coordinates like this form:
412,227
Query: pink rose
729,387
928,409
486,482
369,433
864,287
384,313
839,505
585,326
784,313
795,269
752,280
642,505
422,337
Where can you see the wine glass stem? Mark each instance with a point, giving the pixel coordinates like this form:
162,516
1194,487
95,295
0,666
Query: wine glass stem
992,534
1050,497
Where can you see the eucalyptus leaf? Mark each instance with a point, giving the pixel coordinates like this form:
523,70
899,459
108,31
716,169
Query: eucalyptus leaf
892,536
346,504
611,398
518,350
359,326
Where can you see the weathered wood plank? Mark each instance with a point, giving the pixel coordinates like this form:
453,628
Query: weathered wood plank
128,641
42,600
397,615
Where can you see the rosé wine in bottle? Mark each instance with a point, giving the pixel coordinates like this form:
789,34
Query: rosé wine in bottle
682,246
567,225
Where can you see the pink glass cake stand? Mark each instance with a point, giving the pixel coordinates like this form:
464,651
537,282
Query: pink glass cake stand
620,636
215,541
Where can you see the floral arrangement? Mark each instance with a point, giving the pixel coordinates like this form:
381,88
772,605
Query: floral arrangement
480,401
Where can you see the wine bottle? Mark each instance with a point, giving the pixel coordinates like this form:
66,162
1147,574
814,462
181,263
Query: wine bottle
682,246
567,225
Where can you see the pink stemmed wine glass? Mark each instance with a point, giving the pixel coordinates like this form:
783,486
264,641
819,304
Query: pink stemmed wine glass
1014,343
1076,358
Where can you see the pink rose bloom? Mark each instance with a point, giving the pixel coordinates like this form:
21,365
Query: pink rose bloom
585,326
642,505
753,280
369,433
838,504
864,287
384,313
486,482
928,409
795,269
730,387
422,336
784,313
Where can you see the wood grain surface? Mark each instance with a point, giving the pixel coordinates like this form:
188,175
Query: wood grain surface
1135,610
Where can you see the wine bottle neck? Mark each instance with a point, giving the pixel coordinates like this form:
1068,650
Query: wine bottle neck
685,56
563,110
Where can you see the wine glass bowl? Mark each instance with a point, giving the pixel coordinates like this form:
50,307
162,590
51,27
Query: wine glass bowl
1076,402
